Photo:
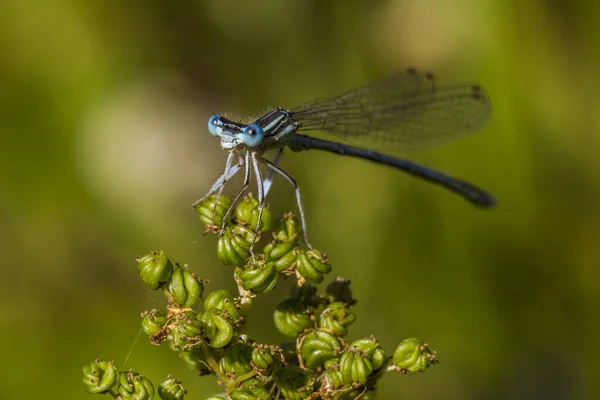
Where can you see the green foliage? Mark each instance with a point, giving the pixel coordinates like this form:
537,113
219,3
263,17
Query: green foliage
317,364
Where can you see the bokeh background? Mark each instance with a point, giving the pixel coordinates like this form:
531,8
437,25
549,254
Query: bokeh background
104,146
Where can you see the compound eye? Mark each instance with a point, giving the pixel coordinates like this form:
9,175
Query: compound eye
214,123
252,135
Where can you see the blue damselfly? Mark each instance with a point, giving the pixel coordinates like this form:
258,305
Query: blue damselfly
403,111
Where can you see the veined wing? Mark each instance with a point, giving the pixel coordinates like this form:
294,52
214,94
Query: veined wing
401,112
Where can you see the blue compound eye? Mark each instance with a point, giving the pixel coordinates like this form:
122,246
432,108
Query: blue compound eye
252,135
214,122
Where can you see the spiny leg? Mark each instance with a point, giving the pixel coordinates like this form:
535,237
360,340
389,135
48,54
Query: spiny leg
240,194
293,183
222,187
269,180
221,180
261,196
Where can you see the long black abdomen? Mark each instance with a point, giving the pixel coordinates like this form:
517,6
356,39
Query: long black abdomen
472,193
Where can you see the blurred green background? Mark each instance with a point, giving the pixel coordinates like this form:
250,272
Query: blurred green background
104,146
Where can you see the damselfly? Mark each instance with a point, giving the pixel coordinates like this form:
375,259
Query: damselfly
403,111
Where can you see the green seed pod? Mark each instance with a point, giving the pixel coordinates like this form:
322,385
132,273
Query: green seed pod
222,300
224,332
282,254
233,247
247,212
171,389
179,340
332,379
187,331
217,328
339,290
195,361
295,383
336,318
291,318
206,210
378,358
153,322
332,363
133,386
262,279
371,348
190,324
251,389
313,265
317,347
412,355
100,376
355,367
154,269
289,229
184,288
264,357
236,359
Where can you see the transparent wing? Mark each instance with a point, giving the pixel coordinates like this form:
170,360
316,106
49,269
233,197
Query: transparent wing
401,112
